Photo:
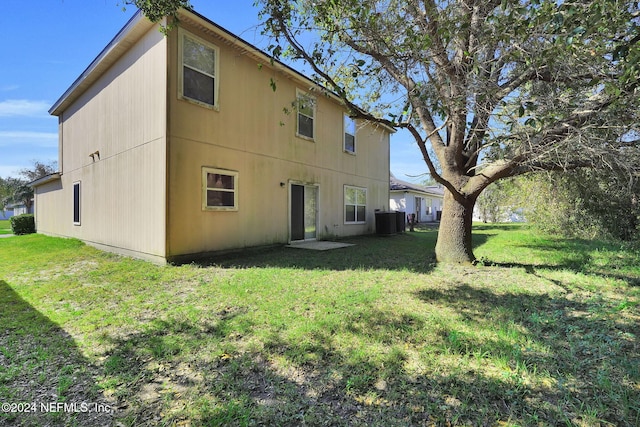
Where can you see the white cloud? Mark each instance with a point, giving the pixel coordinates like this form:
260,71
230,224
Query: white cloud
9,170
39,139
23,108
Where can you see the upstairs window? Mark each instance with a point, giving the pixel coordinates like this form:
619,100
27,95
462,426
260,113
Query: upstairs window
355,205
219,189
349,135
199,70
306,106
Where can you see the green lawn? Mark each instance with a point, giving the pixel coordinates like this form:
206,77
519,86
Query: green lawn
542,332
5,226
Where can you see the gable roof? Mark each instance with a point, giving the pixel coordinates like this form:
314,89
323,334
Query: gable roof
396,184
138,25
133,30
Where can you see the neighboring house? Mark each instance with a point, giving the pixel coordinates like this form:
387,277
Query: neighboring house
424,201
171,147
498,214
6,213
21,209
15,209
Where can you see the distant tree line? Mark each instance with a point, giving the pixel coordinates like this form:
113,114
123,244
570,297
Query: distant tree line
14,190
584,203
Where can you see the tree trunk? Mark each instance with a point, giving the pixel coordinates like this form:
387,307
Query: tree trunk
454,235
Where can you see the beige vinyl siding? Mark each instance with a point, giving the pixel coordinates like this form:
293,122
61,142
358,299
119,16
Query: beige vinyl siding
122,116
143,195
49,209
262,217
252,135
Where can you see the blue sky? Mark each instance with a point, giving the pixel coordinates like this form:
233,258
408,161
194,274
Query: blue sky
47,44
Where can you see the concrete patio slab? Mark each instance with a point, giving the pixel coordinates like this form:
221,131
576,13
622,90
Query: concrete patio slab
319,245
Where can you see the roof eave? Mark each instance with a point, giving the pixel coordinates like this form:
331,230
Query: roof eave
262,57
411,190
45,179
131,32
139,24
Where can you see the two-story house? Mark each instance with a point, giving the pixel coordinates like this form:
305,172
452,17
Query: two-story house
196,142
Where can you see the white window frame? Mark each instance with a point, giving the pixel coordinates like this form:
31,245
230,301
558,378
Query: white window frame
356,205
302,94
348,120
79,201
207,170
182,34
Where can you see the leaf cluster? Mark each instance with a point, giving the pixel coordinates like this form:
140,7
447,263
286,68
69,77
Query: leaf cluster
582,203
157,10
17,189
488,89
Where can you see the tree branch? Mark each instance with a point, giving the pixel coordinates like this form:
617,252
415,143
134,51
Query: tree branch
354,109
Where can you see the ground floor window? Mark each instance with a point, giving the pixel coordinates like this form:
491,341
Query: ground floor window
76,203
355,205
219,189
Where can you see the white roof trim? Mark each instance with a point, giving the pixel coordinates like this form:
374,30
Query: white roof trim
45,179
139,24
136,27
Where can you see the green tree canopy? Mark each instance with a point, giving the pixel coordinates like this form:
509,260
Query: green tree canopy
488,89
156,10
17,190
38,170
585,203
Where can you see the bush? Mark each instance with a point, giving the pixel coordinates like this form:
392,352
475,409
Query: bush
586,204
23,224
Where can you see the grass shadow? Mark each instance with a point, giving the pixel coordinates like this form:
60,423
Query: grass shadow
510,226
408,251
480,239
603,259
412,251
41,365
152,372
571,265
577,260
590,355
316,381
204,371
195,347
